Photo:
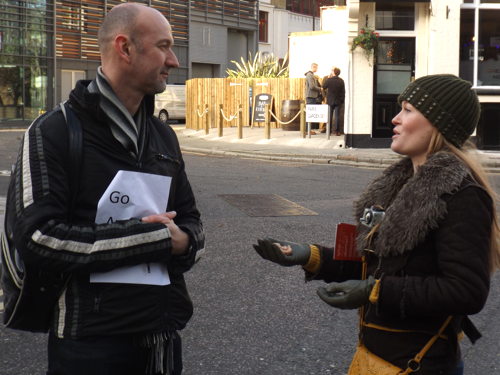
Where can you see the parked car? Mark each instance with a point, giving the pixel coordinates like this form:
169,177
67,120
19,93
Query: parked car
171,103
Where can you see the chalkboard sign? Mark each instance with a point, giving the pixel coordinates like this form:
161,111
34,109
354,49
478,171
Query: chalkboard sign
259,107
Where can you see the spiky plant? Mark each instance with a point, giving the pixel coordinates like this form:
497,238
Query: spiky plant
260,66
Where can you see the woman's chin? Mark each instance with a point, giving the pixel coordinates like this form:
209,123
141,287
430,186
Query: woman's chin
395,148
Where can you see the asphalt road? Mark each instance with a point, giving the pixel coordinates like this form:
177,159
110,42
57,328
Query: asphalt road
252,316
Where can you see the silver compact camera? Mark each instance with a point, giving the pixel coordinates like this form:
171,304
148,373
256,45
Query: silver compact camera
372,216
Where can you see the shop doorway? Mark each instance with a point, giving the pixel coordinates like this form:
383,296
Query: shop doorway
488,132
394,69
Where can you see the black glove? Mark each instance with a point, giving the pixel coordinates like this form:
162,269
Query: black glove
350,294
298,255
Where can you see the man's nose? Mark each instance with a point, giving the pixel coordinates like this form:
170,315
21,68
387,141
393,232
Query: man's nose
171,61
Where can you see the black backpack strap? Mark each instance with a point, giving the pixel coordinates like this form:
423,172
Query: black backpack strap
470,329
75,151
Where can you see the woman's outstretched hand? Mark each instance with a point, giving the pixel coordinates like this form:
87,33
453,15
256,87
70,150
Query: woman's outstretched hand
283,252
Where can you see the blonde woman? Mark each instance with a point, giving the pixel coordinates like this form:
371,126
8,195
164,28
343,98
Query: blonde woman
428,234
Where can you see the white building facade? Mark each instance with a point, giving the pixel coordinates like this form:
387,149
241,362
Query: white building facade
276,23
417,38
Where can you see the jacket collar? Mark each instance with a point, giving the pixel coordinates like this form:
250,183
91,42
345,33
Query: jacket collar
89,102
413,203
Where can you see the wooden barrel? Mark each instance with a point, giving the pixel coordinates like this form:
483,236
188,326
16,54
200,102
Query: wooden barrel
289,109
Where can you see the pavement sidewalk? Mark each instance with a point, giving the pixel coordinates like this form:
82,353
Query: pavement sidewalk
290,146
283,146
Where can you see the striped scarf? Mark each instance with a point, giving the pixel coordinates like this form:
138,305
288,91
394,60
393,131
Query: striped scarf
124,127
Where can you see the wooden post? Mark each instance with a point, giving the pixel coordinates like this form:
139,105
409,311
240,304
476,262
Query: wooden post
240,121
267,125
221,121
302,120
207,122
198,118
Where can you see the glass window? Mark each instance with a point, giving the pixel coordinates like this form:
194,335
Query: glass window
467,44
480,53
11,41
395,16
395,51
395,60
24,38
263,26
482,1
23,91
35,91
308,6
489,45
10,91
293,6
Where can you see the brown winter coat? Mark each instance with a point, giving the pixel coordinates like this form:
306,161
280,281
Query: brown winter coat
431,253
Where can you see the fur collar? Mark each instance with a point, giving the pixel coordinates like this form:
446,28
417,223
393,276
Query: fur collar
413,203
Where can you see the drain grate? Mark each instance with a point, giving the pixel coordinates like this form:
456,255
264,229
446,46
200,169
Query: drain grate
266,205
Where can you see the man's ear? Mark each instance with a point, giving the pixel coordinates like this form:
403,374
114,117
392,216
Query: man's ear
122,46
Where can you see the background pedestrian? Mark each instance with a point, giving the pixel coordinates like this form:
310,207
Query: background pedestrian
335,99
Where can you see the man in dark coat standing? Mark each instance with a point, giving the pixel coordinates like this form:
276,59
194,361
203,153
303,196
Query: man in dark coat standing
313,89
335,99
108,323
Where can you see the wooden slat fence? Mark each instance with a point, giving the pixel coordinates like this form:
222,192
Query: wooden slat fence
231,92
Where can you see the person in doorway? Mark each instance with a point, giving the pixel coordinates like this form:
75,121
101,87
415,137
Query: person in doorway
111,327
313,90
428,233
335,99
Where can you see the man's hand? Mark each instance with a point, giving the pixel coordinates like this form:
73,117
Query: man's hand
350,294
283,252
180,240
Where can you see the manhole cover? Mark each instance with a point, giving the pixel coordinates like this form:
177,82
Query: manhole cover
266,205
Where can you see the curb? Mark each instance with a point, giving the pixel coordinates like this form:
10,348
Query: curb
346,160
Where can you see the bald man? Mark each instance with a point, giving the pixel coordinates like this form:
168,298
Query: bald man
125,298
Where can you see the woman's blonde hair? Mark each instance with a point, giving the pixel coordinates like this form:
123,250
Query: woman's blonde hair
467,154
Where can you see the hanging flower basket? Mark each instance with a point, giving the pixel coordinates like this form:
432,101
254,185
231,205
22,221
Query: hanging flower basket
367,39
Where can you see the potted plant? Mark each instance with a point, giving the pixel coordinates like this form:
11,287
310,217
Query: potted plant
367,39
261,66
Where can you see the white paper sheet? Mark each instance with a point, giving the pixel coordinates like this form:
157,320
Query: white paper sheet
134,195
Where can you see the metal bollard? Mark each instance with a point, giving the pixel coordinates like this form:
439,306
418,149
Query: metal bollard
328,127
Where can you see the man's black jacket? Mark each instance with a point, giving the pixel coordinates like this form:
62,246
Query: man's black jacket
335,90
39,200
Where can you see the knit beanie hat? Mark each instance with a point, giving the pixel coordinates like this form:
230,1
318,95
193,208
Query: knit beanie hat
448,102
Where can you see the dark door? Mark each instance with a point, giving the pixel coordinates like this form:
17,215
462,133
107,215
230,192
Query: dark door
488,132
394,69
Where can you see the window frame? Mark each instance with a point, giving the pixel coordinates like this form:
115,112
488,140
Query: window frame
377,9
476,6
265,26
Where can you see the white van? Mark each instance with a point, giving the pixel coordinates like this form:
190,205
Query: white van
171,103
